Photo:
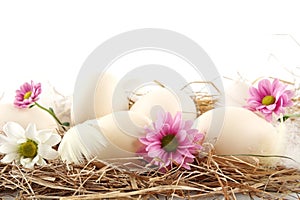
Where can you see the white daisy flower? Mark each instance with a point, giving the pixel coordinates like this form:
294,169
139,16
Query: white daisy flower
27,147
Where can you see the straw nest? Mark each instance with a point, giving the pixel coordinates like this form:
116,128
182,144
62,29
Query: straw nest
210,176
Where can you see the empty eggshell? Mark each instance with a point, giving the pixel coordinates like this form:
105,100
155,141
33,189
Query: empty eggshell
163,98
42,120
112,136
235,131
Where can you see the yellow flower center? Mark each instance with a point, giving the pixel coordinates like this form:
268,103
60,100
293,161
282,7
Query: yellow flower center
28,149
268,100
169,143
27,95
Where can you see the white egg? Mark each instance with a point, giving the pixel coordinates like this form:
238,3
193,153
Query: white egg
112,136
101,95
97,96
235,130
163,98
143,90
25,116
105,93
109,97
236,93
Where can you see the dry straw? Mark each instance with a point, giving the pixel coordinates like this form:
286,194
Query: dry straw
210,176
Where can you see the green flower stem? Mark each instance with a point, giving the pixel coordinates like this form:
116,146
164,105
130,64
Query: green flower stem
52,114
293,115
285,117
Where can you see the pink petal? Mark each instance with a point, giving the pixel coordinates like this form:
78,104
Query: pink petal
25,87
268,117
144,141
276,85
265,87
177,158
154,154
183,132
168,119
271,107
160,120
176,123
153,146
181,136
255,94
166,158
188,124
166,129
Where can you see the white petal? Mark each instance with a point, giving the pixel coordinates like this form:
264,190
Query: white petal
8,148
3,139
43,135
48,137
14,130
9,157
21,141
36,159
27,162
41,161
47,152
53,140
29,165
31,132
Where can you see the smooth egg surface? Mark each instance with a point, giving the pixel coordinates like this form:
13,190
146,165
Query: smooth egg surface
236,93
95,99
235,131
164,99
122,129
40,118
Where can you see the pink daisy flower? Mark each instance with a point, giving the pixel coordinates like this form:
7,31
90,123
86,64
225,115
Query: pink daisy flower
269,98
171,141
27,94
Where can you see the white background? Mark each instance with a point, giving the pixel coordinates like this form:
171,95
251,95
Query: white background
50,40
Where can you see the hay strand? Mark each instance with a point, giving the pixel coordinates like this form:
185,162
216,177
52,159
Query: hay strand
210,176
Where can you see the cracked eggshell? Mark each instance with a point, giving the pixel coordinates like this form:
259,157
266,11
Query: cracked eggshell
163,98
235,130
42,120
109,137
